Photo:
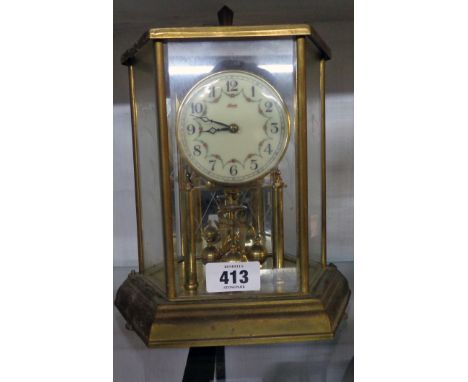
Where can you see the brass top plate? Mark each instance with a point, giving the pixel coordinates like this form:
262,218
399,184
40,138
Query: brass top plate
230,31
220,32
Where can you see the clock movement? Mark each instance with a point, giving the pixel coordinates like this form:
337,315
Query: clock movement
228,130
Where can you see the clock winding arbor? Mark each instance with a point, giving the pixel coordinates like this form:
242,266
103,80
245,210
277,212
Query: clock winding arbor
229,161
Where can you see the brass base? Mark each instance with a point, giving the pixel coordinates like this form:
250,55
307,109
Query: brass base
161,323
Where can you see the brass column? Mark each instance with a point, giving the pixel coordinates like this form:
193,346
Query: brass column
136,168
278,228
165,170
190,256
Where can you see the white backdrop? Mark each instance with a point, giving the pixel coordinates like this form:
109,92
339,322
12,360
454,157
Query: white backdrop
340,135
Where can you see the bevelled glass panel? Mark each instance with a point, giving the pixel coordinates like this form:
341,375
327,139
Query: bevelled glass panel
233,222
147,134
314,152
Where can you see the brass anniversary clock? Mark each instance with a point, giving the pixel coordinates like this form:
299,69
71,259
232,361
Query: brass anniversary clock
229,160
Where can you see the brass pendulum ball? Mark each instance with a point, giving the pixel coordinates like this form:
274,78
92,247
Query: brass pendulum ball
257,251
210,253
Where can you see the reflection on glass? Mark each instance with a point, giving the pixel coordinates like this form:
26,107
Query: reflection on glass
229,212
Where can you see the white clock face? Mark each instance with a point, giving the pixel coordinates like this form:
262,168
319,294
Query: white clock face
233,127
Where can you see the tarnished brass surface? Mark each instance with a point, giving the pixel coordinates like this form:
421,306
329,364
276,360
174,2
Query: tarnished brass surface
323,255
301,167
165,170
161,323
216,32
136,167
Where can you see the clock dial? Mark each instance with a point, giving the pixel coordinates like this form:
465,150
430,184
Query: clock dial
233,127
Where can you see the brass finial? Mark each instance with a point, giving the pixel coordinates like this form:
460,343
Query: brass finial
225,16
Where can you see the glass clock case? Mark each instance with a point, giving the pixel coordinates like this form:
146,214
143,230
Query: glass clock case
228,138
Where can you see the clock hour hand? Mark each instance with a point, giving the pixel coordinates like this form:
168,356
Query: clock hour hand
213,130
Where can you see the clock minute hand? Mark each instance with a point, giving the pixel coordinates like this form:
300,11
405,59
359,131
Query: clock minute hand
225,127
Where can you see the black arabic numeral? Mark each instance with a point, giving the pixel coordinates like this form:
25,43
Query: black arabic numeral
233,170
274,127
211,90
190,129
197,150
224,277
267,149
268,106
213,162
245,278
253,91
197,108
234,277
231,86
253,164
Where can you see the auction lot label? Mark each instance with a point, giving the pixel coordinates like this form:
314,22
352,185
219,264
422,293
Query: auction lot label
232,277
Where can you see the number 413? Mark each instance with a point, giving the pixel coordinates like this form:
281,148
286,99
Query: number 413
242,279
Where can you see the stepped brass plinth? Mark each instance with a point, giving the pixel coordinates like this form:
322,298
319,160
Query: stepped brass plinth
220,321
